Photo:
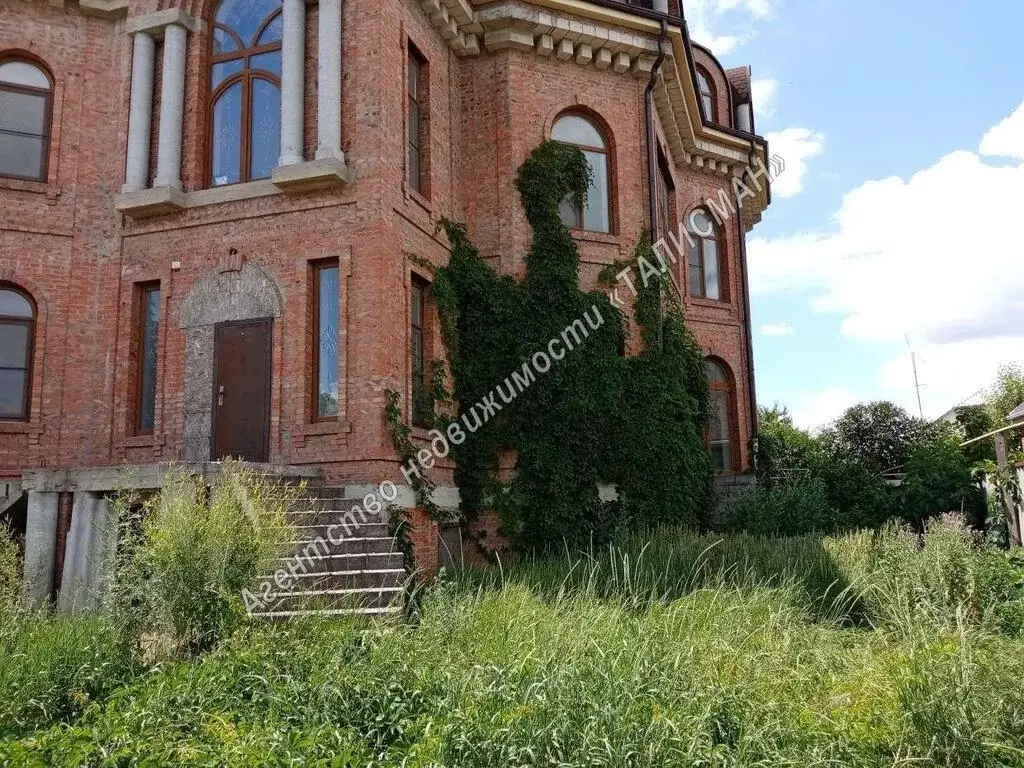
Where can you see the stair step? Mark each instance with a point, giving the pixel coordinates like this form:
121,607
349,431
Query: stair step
372,612
324,599
327,516
320,581
374,545
361,561
365,531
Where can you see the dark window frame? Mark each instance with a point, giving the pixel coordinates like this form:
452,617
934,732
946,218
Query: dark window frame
728,388
246,77
316,268
665,192
47,126
30,343
418,102
708,95
418,329
700,248
143,291
609,164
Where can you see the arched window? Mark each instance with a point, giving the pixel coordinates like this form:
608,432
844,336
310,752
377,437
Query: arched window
707,95
26,104
245,90
720,429
17,329
704,258
581,132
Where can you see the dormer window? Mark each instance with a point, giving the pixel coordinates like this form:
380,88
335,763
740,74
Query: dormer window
706,92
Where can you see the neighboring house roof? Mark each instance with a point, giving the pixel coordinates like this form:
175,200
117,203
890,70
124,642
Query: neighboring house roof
1017,414
951,414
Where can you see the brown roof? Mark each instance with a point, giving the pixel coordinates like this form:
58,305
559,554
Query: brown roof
739,79
1017,414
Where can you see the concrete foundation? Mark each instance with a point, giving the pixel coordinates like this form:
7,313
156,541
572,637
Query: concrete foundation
40,545
92,536
87,557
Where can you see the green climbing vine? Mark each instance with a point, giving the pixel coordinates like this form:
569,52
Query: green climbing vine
596,417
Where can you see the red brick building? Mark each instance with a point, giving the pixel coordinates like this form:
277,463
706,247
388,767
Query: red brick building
214,216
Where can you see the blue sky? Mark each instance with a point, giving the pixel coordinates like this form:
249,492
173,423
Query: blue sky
902,125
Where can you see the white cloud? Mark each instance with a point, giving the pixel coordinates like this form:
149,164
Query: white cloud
758,8
1007,138
777,329
796,146
948,373
763,92
706,19
814,410
937,256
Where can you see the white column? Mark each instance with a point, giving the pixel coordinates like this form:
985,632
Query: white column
172,103
329,82
661,6
140,114
293,59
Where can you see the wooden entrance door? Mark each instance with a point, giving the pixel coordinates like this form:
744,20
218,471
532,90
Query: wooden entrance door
241,390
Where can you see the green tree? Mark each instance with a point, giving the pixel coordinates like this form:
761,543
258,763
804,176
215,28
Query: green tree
879,436
975,421
1006,394
783,449
938,480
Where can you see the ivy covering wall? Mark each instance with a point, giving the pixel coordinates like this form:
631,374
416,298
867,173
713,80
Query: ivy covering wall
596,417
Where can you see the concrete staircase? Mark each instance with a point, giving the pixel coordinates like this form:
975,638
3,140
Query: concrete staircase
362,573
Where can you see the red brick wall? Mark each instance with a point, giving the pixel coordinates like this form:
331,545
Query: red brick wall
63,241
723,99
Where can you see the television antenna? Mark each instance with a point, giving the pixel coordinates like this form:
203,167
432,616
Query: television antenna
917,383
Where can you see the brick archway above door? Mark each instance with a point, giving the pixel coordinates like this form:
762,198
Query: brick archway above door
249,293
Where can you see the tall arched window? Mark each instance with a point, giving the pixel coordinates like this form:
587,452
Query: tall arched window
707,95
581,132
245,90
704,258
720,430
26,105
17,329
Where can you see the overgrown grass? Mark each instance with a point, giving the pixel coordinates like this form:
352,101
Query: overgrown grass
678,650
186,554
52,667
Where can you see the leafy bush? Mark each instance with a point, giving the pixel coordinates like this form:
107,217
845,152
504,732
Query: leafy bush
938,480
187,554
849,460
792,508
948,576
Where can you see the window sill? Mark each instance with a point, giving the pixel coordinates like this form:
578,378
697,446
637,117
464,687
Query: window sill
325,427
51,191
313,174
150,440
290,179
716,303
418,198
19,428
585,235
